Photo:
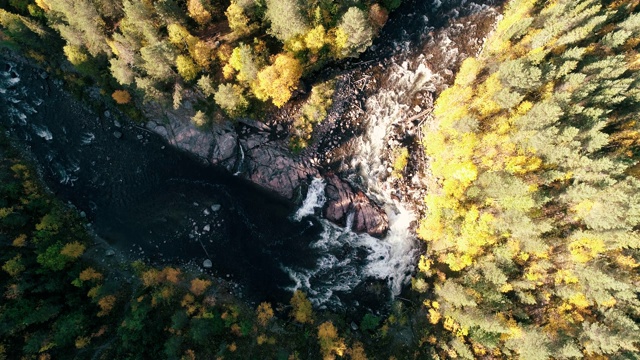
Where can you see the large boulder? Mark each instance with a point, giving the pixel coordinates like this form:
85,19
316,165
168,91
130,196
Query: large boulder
343,200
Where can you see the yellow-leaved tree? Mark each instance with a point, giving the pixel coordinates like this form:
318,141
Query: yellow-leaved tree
277,81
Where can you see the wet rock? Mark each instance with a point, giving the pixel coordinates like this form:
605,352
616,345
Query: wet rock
225,150
207,264
271,167
117,134
216,207
206,228
107,114
342,200
110,252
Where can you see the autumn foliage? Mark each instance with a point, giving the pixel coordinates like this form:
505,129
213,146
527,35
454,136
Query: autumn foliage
531,232
121,97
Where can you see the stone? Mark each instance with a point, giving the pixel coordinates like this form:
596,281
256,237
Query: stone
206,228
117,134
110,252
207,264
342,200
107,114
216,207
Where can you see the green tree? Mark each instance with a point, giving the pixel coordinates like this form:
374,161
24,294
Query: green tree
231,99
358,31
286,19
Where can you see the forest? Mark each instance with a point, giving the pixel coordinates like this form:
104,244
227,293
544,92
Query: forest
530,242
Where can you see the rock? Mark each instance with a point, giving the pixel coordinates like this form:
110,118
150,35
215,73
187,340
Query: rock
110,252
116,123
207,264
216,207
342,200
117,134
206,228
354,326
140,137
206,212
83,214
107,114
225,149
272,168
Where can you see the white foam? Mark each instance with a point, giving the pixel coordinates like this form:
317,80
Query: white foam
315,199
43,132
88,138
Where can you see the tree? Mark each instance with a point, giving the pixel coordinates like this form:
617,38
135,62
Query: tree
205,84
245,63
315,39
286,19
358,31
199,286
14,266
231,99
330,343
278,80
200,119
198,11
302,310
73,250
239,22
52,259
80,24
158,60
187,68
264,312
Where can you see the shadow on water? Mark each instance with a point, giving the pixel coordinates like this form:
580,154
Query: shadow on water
150,200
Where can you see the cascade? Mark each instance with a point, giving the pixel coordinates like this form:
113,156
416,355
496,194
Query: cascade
315,199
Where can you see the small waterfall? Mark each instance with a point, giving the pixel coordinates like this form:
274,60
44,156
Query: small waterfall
349,222
239,171
315,199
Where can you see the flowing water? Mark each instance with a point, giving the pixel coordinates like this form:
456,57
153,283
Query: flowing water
423,63
154,202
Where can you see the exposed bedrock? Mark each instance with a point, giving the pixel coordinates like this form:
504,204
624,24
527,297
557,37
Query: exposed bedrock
269,164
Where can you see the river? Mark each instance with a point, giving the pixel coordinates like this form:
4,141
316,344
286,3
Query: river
151,201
